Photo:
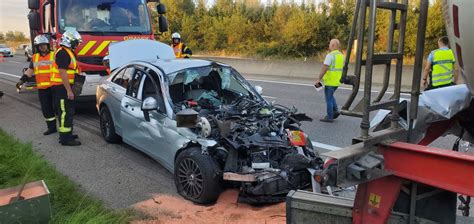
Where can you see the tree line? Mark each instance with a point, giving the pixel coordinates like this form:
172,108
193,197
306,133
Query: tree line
277,29
13,36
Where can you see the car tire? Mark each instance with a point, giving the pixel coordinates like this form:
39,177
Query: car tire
107,126
197,176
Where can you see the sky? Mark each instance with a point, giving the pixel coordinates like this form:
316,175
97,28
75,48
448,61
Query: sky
13,16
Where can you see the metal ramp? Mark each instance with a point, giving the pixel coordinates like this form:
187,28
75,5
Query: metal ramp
365,17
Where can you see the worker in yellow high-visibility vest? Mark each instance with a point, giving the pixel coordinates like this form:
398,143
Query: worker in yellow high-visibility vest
331,74
63,82
441,69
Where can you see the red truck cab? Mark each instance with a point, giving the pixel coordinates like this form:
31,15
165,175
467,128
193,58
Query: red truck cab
100,23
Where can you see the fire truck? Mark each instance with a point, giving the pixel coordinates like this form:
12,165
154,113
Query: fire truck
100,23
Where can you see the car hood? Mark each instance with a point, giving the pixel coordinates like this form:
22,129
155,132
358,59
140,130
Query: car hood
5,49
124,52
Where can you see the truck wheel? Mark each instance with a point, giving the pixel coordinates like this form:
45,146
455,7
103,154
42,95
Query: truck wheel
197,176
107,127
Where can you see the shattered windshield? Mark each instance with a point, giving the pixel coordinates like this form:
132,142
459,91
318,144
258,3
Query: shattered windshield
104,16
209,86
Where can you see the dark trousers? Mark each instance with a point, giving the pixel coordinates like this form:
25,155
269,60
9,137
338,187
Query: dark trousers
47,102
65,111
331,105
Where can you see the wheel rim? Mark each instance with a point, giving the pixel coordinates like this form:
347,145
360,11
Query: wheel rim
190,178
105,123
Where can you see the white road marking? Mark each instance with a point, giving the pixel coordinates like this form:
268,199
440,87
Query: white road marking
14,62
325,146
12,75
269,97
304,84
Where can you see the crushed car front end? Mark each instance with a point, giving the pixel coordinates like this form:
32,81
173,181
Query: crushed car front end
259,146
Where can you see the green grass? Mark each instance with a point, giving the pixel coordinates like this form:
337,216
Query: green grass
18,163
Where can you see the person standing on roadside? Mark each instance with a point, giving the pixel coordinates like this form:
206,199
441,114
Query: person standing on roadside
62,82
180,49
331,74
441,67
42,66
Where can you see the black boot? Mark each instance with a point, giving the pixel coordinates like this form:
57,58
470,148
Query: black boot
51,127
50,131
68,140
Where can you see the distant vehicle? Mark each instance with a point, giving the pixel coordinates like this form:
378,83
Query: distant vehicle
28,52
5,51
205,123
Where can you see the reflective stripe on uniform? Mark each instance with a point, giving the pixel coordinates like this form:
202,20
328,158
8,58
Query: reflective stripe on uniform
63,118
56,76
43,69
50,119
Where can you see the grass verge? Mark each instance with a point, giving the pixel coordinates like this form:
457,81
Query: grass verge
18,163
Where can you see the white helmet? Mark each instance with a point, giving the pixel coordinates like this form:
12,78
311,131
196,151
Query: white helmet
175,36
71,39
41,39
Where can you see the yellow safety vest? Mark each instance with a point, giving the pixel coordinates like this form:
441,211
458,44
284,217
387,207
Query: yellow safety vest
73,69
334,73
178,50
442,72
43,68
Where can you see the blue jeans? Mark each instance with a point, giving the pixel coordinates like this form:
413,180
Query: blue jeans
331,105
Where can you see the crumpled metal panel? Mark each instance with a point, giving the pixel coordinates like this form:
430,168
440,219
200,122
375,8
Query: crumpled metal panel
438,105
434,105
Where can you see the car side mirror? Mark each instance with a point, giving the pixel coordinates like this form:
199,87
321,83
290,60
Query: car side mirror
258,89
162,24
148,105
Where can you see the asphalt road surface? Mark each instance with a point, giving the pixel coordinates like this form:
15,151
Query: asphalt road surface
122,176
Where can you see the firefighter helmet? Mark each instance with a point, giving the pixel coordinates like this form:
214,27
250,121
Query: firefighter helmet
41,39
175,36
71,39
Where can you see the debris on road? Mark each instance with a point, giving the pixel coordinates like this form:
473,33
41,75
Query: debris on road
170,209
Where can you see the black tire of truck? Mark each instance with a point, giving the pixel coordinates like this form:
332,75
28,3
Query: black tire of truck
197,176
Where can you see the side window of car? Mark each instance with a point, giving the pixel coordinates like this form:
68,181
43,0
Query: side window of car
135,83
123,77
150,90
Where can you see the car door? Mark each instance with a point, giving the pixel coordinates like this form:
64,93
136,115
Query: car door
165,140
131,115
116,89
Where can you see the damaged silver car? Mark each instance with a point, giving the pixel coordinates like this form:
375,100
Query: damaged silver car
207,125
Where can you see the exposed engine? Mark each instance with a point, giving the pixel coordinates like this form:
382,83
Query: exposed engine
259,146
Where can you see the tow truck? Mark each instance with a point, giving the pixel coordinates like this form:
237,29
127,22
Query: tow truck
100,23
399,177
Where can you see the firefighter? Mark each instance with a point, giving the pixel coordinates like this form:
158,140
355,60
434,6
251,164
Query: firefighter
180,49
106,63
331,73
42,66
62,81
441,68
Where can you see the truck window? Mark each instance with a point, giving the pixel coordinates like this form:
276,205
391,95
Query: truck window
104,16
